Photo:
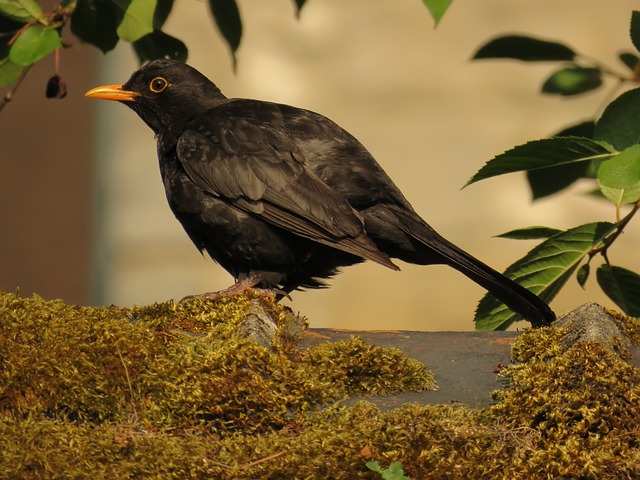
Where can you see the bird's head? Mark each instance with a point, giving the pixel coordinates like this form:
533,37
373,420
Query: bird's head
163,93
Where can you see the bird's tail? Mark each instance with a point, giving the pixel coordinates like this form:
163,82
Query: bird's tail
440,250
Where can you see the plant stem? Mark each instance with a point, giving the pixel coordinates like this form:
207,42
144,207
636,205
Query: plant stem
9,96
618,231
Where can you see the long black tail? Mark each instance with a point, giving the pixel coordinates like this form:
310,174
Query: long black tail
440,250
515,296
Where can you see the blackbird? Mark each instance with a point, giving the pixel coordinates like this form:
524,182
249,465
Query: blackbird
282,197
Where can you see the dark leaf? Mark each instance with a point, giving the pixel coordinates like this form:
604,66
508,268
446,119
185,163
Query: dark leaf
544,270
530,233
631,60
573,81
437,8
622,286
548,152
634,31
299,5
96,22
619,124
163,9
160,45
524,48
582,129
9,27
547,181
583,274
227,18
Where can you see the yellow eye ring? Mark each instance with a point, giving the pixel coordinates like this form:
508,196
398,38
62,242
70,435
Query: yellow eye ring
158,84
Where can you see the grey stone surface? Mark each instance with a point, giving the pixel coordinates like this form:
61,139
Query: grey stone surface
466,364
592,322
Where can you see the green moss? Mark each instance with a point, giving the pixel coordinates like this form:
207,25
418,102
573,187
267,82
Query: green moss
172,391
363,369
630,326
584,405
537,345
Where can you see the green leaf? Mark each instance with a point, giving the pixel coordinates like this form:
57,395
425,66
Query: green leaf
9,72
543,153
583,274
20,10
619,177
524,48
573,81
621,196
544,270
374,466
394,472
619,124
33,44
227,18
137,19
437,8
95,22
634,30
160,45
530,233
631,60
623,170
622,286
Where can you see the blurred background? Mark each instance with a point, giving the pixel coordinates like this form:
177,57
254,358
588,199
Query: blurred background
83,212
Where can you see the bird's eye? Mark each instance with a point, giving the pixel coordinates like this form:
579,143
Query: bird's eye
158,84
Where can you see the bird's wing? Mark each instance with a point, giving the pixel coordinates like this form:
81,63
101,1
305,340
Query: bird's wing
255,169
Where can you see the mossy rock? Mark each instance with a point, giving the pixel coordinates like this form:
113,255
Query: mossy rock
179,391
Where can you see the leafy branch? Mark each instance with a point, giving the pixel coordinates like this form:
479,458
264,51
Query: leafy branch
604,150
28,34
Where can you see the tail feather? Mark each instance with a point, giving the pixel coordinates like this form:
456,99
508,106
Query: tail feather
432,248
515,296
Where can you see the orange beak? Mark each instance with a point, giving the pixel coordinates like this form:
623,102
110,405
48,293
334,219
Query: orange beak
112,92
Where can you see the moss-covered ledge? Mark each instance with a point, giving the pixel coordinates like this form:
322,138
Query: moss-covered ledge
189,390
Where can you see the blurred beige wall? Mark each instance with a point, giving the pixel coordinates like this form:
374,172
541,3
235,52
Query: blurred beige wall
410,94
46,153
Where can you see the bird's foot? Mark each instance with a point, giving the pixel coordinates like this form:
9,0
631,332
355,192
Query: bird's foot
246,283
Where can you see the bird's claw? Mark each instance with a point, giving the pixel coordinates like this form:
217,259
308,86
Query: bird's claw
244,284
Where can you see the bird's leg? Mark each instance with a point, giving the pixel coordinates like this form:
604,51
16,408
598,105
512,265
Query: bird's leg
244,283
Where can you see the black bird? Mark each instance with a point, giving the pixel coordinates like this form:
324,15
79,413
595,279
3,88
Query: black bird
283,197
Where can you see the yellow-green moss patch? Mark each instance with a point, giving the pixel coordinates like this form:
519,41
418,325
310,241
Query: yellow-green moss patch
172,391
169,364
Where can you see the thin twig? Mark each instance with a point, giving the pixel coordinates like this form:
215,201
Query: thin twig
9,95
257,462
618,231
126,373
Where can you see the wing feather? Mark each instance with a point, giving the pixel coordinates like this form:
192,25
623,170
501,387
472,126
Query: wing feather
257,170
